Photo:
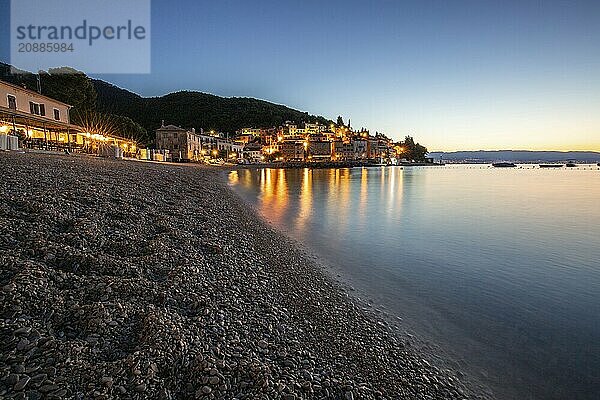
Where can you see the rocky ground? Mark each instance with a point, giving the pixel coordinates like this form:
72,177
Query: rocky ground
141,280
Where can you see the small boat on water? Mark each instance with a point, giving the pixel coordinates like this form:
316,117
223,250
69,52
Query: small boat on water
571,164
551,165
598,164
504,165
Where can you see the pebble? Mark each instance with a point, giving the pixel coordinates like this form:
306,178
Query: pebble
155,280
140,388
20,385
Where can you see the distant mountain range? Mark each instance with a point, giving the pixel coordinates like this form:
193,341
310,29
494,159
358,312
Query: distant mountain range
517,155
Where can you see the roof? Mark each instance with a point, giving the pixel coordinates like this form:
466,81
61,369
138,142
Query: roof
37,121
171,128
34,93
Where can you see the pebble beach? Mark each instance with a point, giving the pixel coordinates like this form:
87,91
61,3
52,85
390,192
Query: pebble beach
135,280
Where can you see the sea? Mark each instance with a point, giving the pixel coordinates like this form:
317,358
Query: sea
498,268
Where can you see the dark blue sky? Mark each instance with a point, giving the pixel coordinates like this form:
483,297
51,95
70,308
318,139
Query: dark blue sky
455,74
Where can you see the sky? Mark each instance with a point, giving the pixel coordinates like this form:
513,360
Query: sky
456,75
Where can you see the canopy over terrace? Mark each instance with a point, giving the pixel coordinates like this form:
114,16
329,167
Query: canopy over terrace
42,133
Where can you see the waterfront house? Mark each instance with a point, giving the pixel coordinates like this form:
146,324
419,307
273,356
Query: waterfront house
41,122
292,150
253,152
318,148
183,144
21,100
232,149
342,151
359,147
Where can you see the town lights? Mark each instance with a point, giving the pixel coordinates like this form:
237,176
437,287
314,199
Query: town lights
203,152
215,152
4,128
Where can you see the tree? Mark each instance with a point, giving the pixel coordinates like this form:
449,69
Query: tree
340,121
413,151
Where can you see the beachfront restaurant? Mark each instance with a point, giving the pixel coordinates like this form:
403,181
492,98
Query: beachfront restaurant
40,122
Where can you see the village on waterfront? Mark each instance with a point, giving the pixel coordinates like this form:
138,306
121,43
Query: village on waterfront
30,120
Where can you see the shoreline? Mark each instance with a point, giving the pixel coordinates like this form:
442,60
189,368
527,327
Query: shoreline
424,343
158,281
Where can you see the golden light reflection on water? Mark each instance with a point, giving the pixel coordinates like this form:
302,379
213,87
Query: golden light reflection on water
305,200
274,192
364,196
288,195
341,206
480,240
345,199
234,178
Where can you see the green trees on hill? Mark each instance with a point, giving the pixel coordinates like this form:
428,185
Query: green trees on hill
64,84
98,105
77,89
198,110
412,150
131,115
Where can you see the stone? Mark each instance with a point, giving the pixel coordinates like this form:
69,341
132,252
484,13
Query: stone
140,388
213,380
12,379
20,385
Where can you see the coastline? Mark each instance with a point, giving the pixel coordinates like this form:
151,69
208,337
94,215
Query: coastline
145,280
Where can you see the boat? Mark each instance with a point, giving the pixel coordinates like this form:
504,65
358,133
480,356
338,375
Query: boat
571,164
598,164
504,165
551,165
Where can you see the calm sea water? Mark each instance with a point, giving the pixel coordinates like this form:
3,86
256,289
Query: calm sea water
500,267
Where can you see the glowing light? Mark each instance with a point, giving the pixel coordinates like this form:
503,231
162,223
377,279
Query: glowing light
215,152
4,128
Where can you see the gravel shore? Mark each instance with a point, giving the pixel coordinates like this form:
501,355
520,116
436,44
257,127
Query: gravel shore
124,279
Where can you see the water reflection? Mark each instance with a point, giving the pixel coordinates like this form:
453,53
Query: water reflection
501,265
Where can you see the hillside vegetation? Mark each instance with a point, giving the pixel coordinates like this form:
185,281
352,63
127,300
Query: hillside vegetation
137,117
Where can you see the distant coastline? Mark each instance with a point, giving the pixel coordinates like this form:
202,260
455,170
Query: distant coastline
526,156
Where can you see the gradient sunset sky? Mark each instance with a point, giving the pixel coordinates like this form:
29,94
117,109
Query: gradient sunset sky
457,75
